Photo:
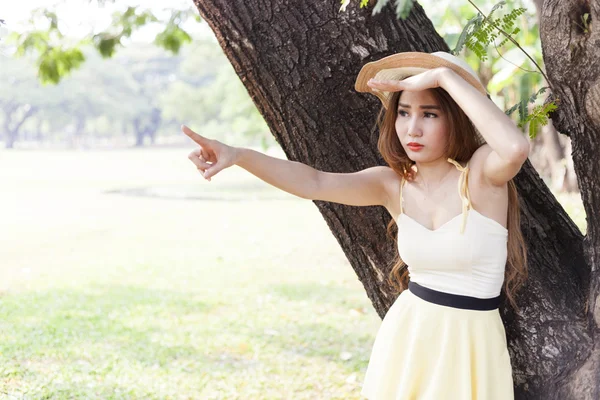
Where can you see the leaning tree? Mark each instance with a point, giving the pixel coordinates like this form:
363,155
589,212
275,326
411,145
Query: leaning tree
298,61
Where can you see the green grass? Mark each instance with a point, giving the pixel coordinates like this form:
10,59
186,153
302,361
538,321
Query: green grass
222,290
126,275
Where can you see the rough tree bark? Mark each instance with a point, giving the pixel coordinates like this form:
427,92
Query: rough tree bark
571,48
298,61
556,148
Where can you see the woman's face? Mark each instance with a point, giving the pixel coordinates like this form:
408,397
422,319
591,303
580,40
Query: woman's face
421,126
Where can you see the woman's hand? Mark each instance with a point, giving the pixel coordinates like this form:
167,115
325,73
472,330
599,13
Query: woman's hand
212,156
425,80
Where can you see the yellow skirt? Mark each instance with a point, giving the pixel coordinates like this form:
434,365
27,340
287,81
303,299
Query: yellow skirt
426,351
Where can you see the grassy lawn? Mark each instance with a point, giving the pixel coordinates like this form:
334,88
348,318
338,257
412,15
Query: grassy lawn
124,275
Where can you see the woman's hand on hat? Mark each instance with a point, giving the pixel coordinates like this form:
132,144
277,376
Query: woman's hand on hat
212,156
429,79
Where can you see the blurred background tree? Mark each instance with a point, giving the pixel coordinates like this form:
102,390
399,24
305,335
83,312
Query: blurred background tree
102,88
191,80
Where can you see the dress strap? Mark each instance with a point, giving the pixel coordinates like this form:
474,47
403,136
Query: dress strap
463,191
402,198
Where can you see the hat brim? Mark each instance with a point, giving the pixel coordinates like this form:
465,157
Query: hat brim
402,65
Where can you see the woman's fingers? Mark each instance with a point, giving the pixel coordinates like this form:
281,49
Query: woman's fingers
199,161
201,140
208,169
387,85
213,170
208,147
421,81
211,157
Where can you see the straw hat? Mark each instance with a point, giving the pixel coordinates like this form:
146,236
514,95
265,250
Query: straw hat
402,65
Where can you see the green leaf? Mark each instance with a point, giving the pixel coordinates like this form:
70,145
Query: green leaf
523,113
172,38
57,63
106,44
539,117
534,97
467,32
379,6
35,40
53,18
512,109
534,125
403,8
524,96
496,7
123,25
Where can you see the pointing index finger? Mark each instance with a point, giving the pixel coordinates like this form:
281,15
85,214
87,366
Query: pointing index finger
193,135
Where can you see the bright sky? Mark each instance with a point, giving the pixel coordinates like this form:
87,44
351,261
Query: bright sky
78,17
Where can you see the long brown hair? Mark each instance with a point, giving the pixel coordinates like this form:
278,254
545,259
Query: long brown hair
463,141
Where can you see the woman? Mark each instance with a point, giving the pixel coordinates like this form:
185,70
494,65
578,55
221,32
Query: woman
451,156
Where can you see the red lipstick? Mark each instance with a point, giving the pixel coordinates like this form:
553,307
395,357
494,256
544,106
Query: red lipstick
414,146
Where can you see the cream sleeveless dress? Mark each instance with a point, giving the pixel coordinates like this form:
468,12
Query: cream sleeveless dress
428,351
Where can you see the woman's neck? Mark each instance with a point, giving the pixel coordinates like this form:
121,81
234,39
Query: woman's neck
432,174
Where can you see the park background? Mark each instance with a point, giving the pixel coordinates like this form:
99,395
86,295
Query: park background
124,274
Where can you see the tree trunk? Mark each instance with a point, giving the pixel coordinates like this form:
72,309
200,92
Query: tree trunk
79,131
139,139
39,136
11,138
13,121
574,73
147,125
557,150
139,132
299,61
154,124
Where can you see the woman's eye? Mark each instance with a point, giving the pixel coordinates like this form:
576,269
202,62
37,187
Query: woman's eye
403,113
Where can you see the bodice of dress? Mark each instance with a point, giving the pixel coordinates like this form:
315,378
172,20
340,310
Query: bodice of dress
466,255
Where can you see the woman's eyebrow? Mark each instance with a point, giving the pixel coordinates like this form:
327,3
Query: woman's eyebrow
427,107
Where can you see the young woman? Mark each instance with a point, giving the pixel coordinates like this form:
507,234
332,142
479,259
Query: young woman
451,156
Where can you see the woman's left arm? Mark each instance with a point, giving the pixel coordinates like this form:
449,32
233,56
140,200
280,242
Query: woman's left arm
508,147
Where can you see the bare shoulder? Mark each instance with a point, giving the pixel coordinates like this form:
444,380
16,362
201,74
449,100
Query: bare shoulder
391,181
386,175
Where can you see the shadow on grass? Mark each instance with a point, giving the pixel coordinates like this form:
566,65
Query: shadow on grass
239,192
124,319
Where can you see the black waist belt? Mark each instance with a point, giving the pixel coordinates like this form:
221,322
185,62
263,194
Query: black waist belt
453,300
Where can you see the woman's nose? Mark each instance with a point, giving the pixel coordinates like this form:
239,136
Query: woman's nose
413,128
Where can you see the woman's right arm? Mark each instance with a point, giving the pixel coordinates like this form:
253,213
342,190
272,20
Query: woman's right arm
368,187
362,188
